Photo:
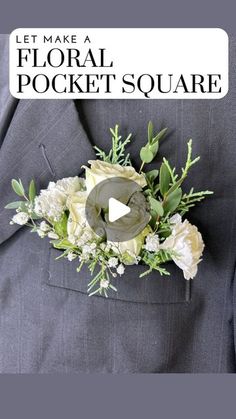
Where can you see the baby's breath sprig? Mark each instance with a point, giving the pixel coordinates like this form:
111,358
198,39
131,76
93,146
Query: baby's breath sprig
25,213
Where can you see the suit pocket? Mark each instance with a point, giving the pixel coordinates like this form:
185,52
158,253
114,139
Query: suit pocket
152,289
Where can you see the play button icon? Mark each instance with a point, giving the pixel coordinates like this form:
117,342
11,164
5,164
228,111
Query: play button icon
116,210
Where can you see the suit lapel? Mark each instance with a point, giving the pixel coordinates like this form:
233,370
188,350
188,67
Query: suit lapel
6,115
44,141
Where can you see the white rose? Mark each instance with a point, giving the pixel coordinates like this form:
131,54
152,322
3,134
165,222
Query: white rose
20,218
130,249
186,241
77,219
101,170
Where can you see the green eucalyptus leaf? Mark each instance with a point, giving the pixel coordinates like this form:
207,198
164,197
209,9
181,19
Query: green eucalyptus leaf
32,190
150,131
172,201
160,135
154,148
156,189
175,186
17,187
164,179
21,184
152,175
62,244
34,216
153,220
34,229
156,206
23,207
146,155
14,205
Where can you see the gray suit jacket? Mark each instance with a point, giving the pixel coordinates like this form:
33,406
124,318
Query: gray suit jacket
47,321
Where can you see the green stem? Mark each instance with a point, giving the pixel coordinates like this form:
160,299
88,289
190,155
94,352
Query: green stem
141,167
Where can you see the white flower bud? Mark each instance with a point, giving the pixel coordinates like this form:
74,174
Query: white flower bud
44,226
71,256
104,283
152,243
112,262
121,269
41,233
53,235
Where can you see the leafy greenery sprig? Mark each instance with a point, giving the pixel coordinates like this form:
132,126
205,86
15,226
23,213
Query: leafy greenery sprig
165,194
150,150
116,155
27,203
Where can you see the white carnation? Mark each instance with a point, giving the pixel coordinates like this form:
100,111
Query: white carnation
70,185
175,219
20,218
187,244
51,202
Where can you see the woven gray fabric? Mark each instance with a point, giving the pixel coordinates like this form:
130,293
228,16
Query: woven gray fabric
47,321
